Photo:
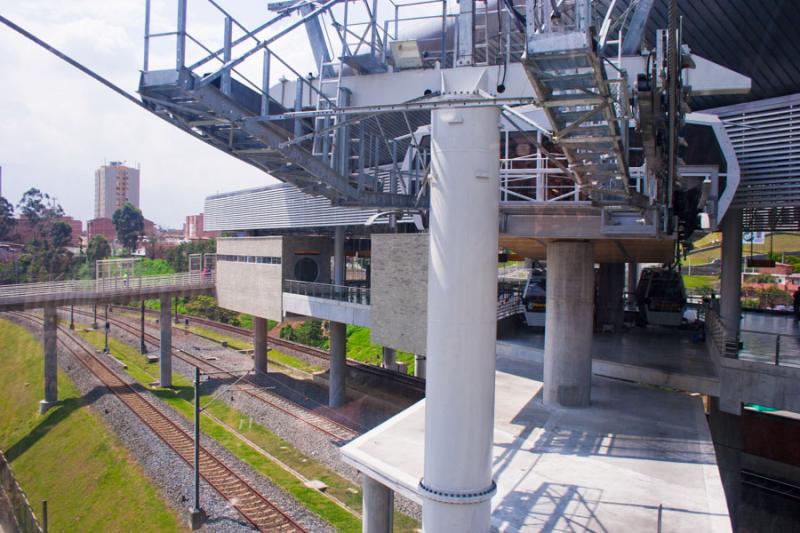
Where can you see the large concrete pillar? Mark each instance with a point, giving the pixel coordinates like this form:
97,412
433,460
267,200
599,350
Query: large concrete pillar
419,365
462,320
337,376
50,342
568,324
632,275
389,357
260,344
165,350
731,284
378,506
610,288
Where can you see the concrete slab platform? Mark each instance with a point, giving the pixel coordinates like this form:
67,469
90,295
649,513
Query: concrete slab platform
637,458
657,356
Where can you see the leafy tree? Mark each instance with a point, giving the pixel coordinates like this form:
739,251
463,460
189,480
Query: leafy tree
39,210
129,223
60,234
206,306
178,257
308,332
98,249
7,220
771,296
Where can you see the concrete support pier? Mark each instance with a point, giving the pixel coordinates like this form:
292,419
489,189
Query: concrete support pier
165,350
50,342
389,357
462,320
378,506
260,346
610,288
731,283
568,324
337,376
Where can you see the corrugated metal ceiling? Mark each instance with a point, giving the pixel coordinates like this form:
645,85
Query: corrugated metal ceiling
757,38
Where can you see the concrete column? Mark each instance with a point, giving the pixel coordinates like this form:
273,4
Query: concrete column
632,275
389,357
50,342
419,365
337,376
462,320
611,285
731,284
165,350
568,324
378,508
260,344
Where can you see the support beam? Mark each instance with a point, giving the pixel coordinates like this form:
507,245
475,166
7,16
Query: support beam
50,342
731,284
632,275
337,376
378,506
165,350
457,486
260,344
610,289
568,324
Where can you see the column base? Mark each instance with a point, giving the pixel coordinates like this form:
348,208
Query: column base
197,518
44,406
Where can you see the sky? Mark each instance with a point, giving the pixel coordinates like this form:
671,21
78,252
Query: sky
58,125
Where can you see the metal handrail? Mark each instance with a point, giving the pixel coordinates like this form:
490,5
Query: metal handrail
107,285
328,291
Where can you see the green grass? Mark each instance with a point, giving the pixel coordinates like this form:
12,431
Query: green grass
700,282
361,349
781,242
69,456
181,399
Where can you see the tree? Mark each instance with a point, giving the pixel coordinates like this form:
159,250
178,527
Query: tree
7,220
60,234
129,223
39,210
98,249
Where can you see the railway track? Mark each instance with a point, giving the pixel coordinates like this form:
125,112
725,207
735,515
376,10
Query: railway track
252,505
336,431
413,382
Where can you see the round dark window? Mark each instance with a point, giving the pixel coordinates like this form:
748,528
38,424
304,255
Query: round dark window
306,269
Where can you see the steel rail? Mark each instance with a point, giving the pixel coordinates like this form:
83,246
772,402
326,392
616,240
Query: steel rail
338,432
251,504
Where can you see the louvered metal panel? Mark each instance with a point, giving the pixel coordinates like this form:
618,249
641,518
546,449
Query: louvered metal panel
281,206
766,137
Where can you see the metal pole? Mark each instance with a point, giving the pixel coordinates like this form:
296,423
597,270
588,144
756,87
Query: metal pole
146,62
44,516
197,512
225,82
142,345
94,324
265,85
444,34
107,327
180,47
71,317
777,350
177,320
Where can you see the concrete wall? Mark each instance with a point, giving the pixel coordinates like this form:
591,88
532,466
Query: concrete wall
344,312
318,249
400,291
252,288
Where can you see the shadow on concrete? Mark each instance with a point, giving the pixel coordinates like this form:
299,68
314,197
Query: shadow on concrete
553,507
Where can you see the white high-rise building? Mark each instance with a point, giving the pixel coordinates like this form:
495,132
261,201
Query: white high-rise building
114,184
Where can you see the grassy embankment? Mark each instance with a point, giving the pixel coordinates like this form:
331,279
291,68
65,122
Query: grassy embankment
224,423
69,456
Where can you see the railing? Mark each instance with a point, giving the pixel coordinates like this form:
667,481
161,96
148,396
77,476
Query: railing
509,305
23,512
340,293
24,291
780,349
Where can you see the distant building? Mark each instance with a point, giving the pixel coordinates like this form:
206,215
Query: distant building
105,226
193,229
114,185
26,233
